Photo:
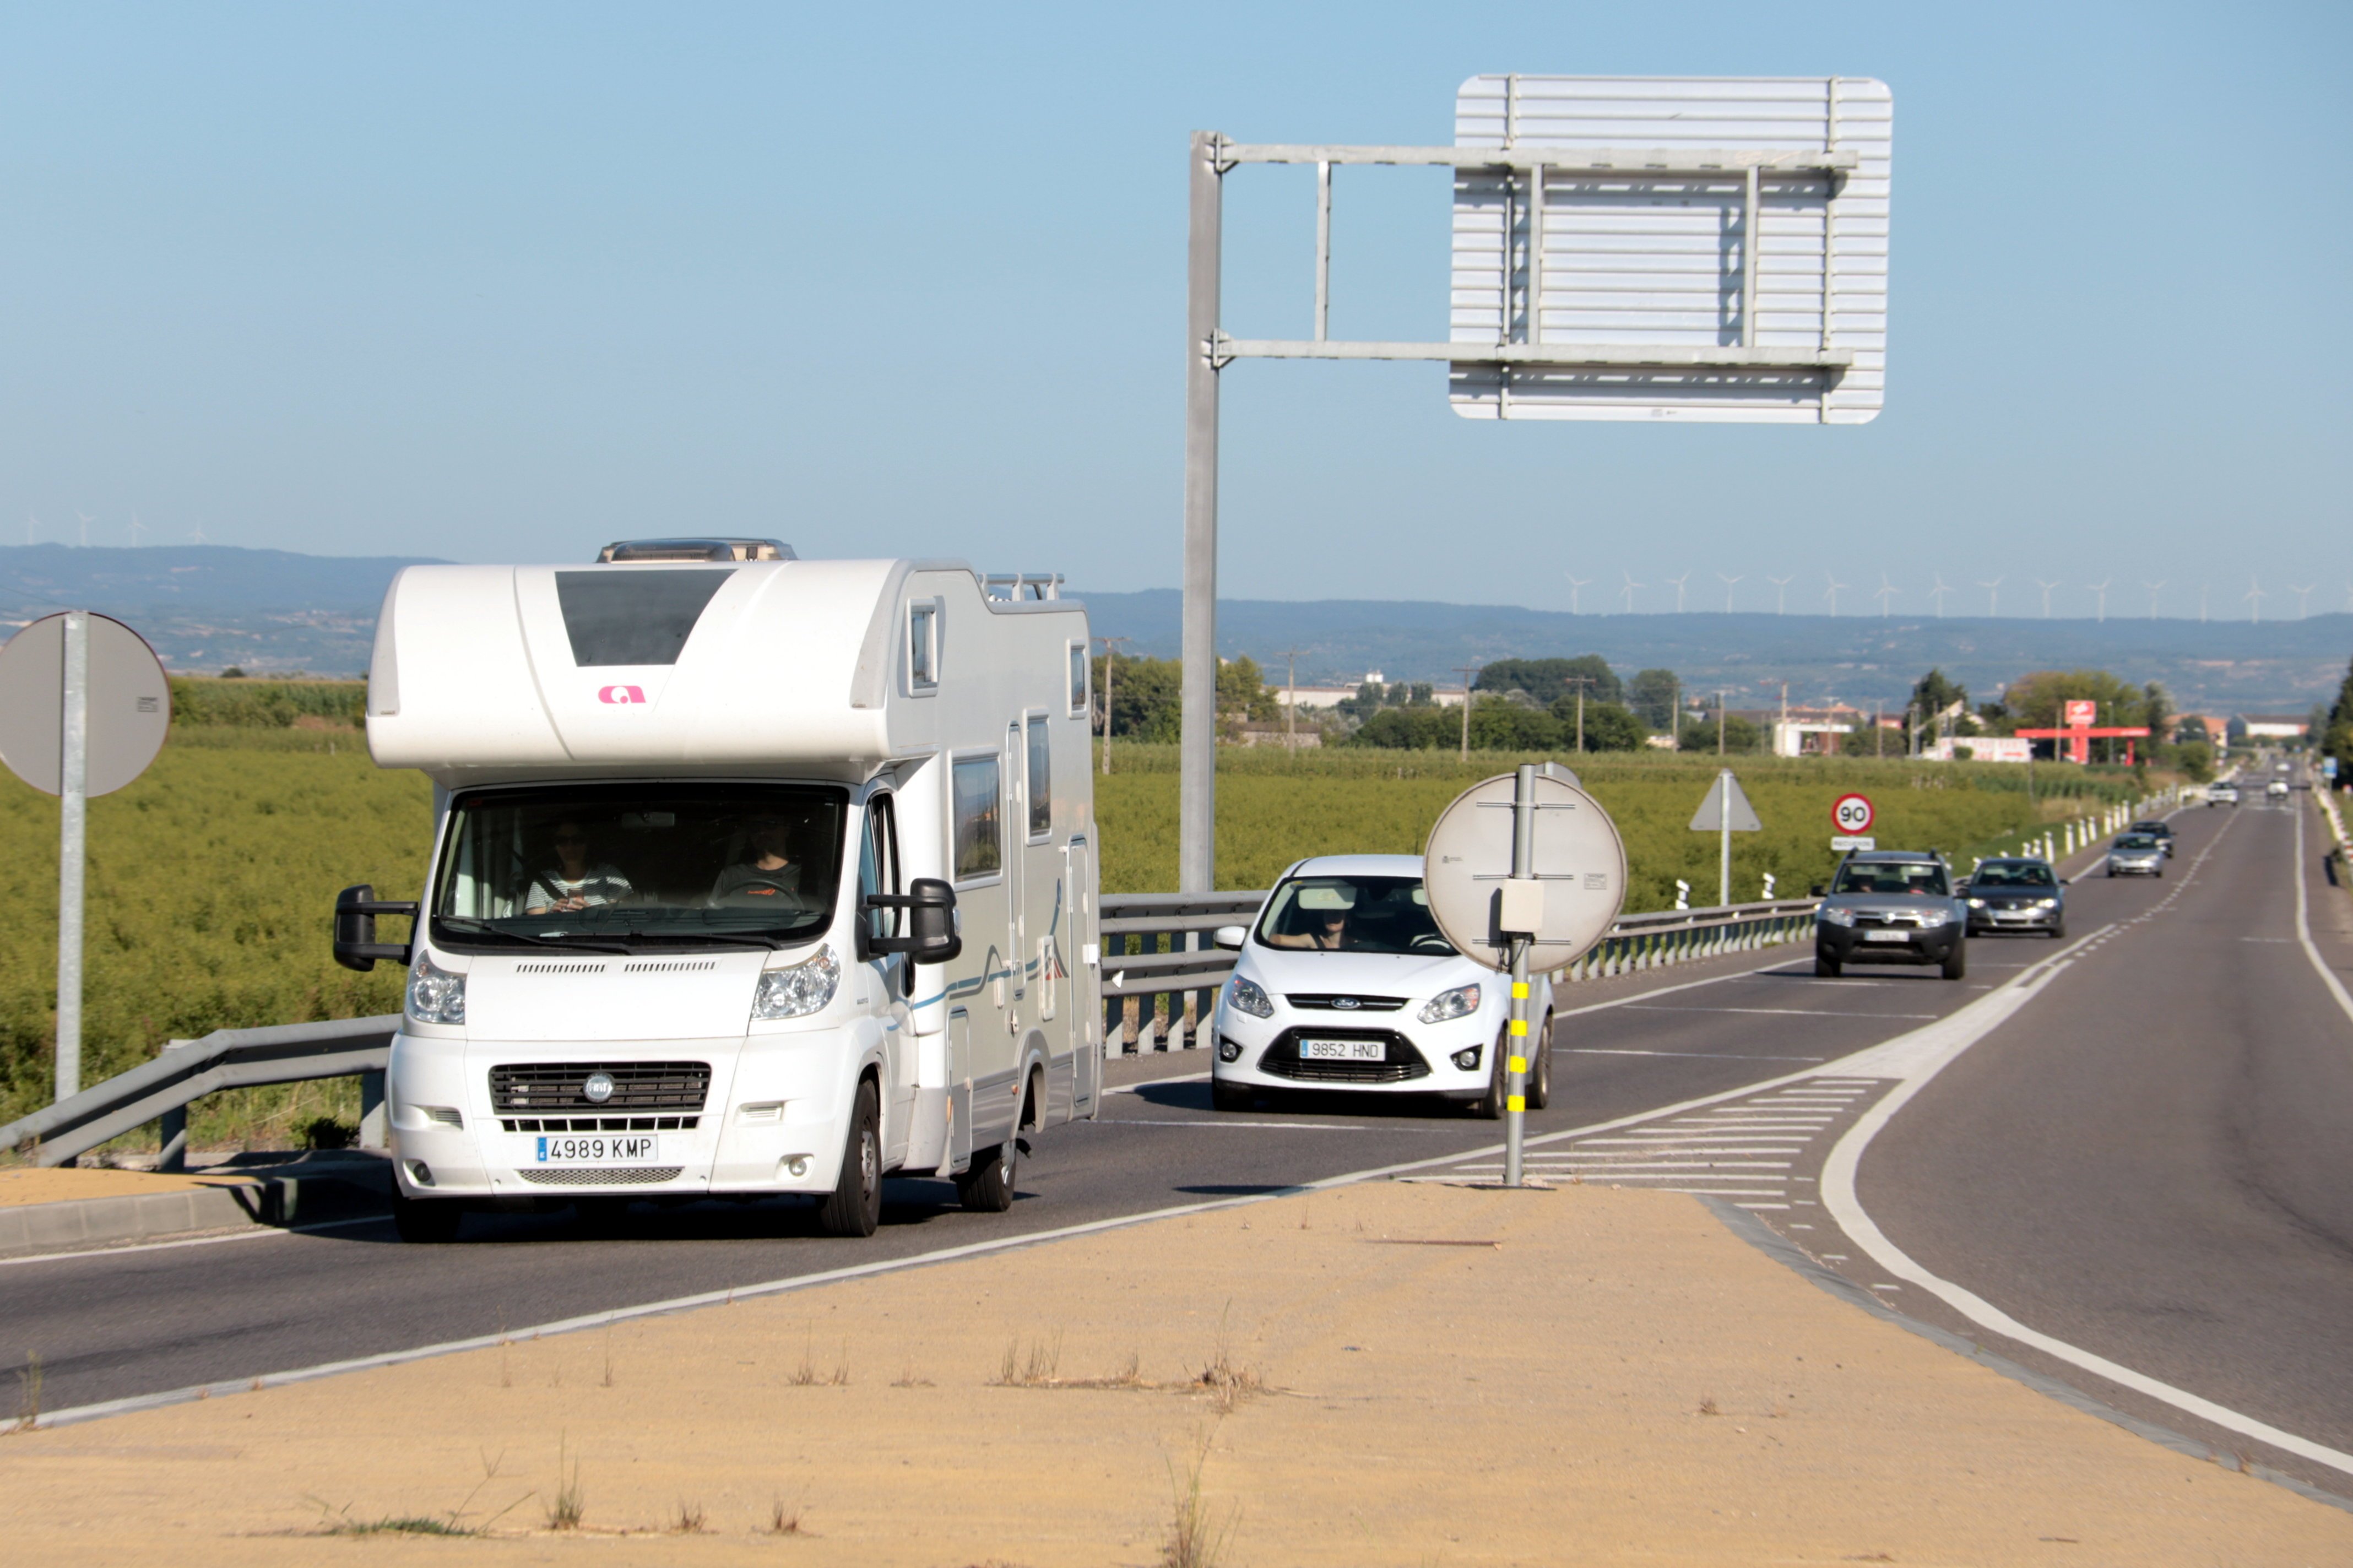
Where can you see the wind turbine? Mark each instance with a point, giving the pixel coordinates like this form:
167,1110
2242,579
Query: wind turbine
86,522
2302,598
2255,596
196,536
1628,591
136,530
1993,596
2046,588
1575,583
1833,593
1937,594
2101,588
2152,588
2202,603
1678,584
1727,583
30,523
1885,592
1781,593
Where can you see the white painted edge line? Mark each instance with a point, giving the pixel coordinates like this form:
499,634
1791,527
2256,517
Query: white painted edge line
1923,1054
254,1234
2303,928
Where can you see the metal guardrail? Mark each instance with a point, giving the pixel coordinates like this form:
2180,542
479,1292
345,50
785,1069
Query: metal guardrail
160,1090
1161,975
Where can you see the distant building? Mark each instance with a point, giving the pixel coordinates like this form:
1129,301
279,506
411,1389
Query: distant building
1312,697
1808,731
1983,749
1253,733
2268,726
2217,730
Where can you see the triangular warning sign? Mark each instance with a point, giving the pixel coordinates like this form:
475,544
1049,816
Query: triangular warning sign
1723,794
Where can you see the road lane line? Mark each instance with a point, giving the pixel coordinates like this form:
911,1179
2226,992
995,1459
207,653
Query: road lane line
2303,928
1778,1012
256,1234
1701,1056
1917,1059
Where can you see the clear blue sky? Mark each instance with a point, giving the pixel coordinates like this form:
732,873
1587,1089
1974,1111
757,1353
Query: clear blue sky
503,282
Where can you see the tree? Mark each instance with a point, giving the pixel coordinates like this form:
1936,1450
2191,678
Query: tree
2037,701
1651,695
1547,680
1739,735
1932,694
1242,692
1609,728
1144,695
2336,741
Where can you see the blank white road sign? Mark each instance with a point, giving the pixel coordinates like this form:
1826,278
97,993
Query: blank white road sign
1641,255
1580,861
130,704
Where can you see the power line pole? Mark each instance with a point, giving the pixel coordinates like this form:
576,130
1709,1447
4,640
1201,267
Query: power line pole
1110,657
1720,717
1580,683
1291,701
1466,671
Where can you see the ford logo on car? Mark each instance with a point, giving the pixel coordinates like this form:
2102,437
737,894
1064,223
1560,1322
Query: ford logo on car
1346,1003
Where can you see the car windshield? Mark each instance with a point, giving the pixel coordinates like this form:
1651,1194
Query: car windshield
2013,873
1352,914
1922,879
2137,841
634,866
2159,829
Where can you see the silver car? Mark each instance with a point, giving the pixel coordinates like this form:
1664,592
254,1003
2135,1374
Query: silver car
2136,855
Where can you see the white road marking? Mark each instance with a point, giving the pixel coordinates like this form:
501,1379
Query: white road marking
1703,1056
257,1233
2303,929
1286,1126
1777,1012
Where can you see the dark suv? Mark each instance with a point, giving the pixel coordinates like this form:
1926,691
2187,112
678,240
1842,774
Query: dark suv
1889,906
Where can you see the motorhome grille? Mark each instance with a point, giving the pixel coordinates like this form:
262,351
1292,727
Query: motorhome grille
528,1087
1400,1064
606,1176
600,1124
670,965
559,969
1321,1002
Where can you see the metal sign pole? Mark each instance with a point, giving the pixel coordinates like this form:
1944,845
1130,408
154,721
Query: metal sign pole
1515,1104
1724,869
1197,783
73,801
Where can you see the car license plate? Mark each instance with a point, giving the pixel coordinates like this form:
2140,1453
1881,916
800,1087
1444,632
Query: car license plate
592,1149
1887,936
1343,1051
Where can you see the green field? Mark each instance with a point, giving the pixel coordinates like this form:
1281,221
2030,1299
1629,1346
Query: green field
211,877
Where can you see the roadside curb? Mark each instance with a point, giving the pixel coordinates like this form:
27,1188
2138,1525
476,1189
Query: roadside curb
275,1202
1773,1245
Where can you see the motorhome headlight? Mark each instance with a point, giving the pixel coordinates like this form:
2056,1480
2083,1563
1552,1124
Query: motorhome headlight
435,995
1248,996
798,990
1458,1002
1836,915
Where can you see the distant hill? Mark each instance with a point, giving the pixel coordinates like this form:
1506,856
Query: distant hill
2215,666
206,607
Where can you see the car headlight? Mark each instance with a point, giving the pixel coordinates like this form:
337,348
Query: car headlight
1976,903
435,995
1931,918
2046,903
1834,914
1248,996
1458,1002
799,990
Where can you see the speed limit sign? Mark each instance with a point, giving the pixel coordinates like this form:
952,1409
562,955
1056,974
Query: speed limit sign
1852,814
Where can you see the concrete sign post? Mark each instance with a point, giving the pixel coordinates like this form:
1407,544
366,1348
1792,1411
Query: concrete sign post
1524,872
84,707
1726,812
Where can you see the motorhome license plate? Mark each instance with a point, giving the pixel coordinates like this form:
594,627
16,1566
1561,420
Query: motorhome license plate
594,1149
1343,1051
1887,936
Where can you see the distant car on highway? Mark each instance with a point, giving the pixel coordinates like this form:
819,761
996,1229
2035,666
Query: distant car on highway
2158,829
2222,794
2136,855
2277,789
1891,906
1346,982
2016,893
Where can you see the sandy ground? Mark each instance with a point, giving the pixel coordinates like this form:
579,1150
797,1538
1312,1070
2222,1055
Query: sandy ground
31,1185
1610,1377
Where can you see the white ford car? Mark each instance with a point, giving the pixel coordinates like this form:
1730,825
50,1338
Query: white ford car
1344,983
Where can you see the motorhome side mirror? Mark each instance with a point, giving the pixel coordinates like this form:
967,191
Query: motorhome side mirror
1821,889
1229,937
355,944
931,936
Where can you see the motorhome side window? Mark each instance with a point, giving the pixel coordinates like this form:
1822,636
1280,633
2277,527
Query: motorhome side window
878,865
1041,784
1079,673
923,645
639,867
979,817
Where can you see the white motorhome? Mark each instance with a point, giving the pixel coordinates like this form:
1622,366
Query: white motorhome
751,875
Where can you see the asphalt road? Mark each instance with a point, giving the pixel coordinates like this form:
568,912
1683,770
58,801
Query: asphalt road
2154,1160
2150,1160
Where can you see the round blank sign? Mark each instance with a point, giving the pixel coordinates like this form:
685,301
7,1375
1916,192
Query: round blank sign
1579,860
130,704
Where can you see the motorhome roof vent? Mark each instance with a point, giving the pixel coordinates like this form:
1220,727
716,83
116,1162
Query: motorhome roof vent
696,549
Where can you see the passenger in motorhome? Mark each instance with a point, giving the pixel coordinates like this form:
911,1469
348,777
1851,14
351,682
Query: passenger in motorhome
770,873
571,881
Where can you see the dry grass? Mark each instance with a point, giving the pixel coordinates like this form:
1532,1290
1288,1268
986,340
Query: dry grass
807,1375
1197,1536
28,1394
786,1518
570,1504
690,1520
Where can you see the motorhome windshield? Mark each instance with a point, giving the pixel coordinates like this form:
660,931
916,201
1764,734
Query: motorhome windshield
1352,914
639,866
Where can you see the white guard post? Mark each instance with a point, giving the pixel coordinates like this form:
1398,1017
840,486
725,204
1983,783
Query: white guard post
1554,316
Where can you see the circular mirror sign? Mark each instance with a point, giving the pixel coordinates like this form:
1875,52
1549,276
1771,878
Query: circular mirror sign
1578,858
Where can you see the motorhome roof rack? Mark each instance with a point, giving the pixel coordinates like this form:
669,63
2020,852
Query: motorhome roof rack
1019,585
697,550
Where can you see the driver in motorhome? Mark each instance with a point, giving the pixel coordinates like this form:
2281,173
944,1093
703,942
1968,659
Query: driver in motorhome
769,871
571,882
